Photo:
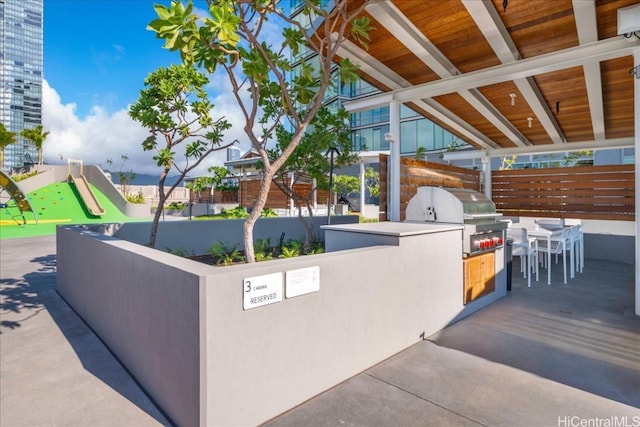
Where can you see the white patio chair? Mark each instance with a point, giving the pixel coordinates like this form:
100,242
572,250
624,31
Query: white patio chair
527,249
557,245
577,242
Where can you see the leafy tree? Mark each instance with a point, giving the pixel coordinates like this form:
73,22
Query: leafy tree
310,161
346,185
175,108
124,178
237,37
454,146
573,158
372,181
508,162
6,138
203,182
37,137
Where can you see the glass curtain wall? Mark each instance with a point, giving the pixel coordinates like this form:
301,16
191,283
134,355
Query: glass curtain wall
369,127
416,132
21,65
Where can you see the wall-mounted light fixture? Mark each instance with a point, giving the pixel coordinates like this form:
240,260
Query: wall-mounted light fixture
629,22
513,98
388,137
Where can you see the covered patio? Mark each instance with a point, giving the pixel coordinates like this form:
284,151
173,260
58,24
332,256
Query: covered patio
508,77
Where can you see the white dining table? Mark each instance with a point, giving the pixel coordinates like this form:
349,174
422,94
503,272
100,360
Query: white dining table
543,233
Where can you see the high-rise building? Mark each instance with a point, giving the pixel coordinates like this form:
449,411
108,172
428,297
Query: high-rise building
21,64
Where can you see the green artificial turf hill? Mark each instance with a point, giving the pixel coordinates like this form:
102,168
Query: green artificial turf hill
56,204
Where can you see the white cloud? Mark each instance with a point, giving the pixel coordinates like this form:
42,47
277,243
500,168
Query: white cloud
101,135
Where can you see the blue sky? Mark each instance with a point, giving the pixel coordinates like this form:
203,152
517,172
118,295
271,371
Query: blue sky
97,54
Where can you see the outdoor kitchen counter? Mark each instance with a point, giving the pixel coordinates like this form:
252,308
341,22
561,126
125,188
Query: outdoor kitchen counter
430,254
350,236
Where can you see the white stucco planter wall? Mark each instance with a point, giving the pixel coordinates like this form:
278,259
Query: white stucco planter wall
180,328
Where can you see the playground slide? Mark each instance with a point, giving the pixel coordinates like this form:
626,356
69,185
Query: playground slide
88,197
15,194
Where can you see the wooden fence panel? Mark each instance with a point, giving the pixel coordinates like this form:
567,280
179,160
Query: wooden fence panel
276,199
584,192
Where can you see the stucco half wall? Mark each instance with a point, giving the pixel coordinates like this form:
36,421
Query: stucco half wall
180,328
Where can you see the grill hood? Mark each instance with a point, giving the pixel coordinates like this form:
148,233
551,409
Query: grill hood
451,205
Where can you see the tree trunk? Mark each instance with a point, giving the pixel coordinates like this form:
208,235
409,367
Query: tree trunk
308,225
156,217
156,220
255,214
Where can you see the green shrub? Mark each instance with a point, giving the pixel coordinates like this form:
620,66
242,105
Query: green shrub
225,253
268,213
235,213
175,206
135,198
23,176
316,248
263,249
291,249
181,252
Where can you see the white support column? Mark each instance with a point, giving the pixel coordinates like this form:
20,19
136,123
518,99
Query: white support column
394,130
486,169
362,189
636,115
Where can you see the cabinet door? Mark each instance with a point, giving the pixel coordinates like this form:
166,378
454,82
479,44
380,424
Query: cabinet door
479,276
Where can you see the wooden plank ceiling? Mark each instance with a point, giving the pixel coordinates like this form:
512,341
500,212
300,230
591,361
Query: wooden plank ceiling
419,42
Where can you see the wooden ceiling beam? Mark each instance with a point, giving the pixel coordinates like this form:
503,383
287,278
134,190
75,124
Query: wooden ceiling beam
586,24
387,14
371,66
488,21
592,53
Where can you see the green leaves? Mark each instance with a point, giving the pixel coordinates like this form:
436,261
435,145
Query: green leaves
175,108
253,65
305,84
200,40
177,26
346,185
275,88
348,71
330,128
223,24
164,158
293,39
360,29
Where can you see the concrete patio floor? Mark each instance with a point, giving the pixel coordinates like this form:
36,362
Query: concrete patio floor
542,356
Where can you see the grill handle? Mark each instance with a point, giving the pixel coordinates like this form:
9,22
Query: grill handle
482,216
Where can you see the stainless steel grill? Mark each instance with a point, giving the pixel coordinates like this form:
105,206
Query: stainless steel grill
475,211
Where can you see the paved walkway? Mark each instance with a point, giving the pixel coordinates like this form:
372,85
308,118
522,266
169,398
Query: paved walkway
546,355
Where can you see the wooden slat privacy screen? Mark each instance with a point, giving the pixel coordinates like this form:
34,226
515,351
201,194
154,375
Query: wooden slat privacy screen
585,192
277,199
582,192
